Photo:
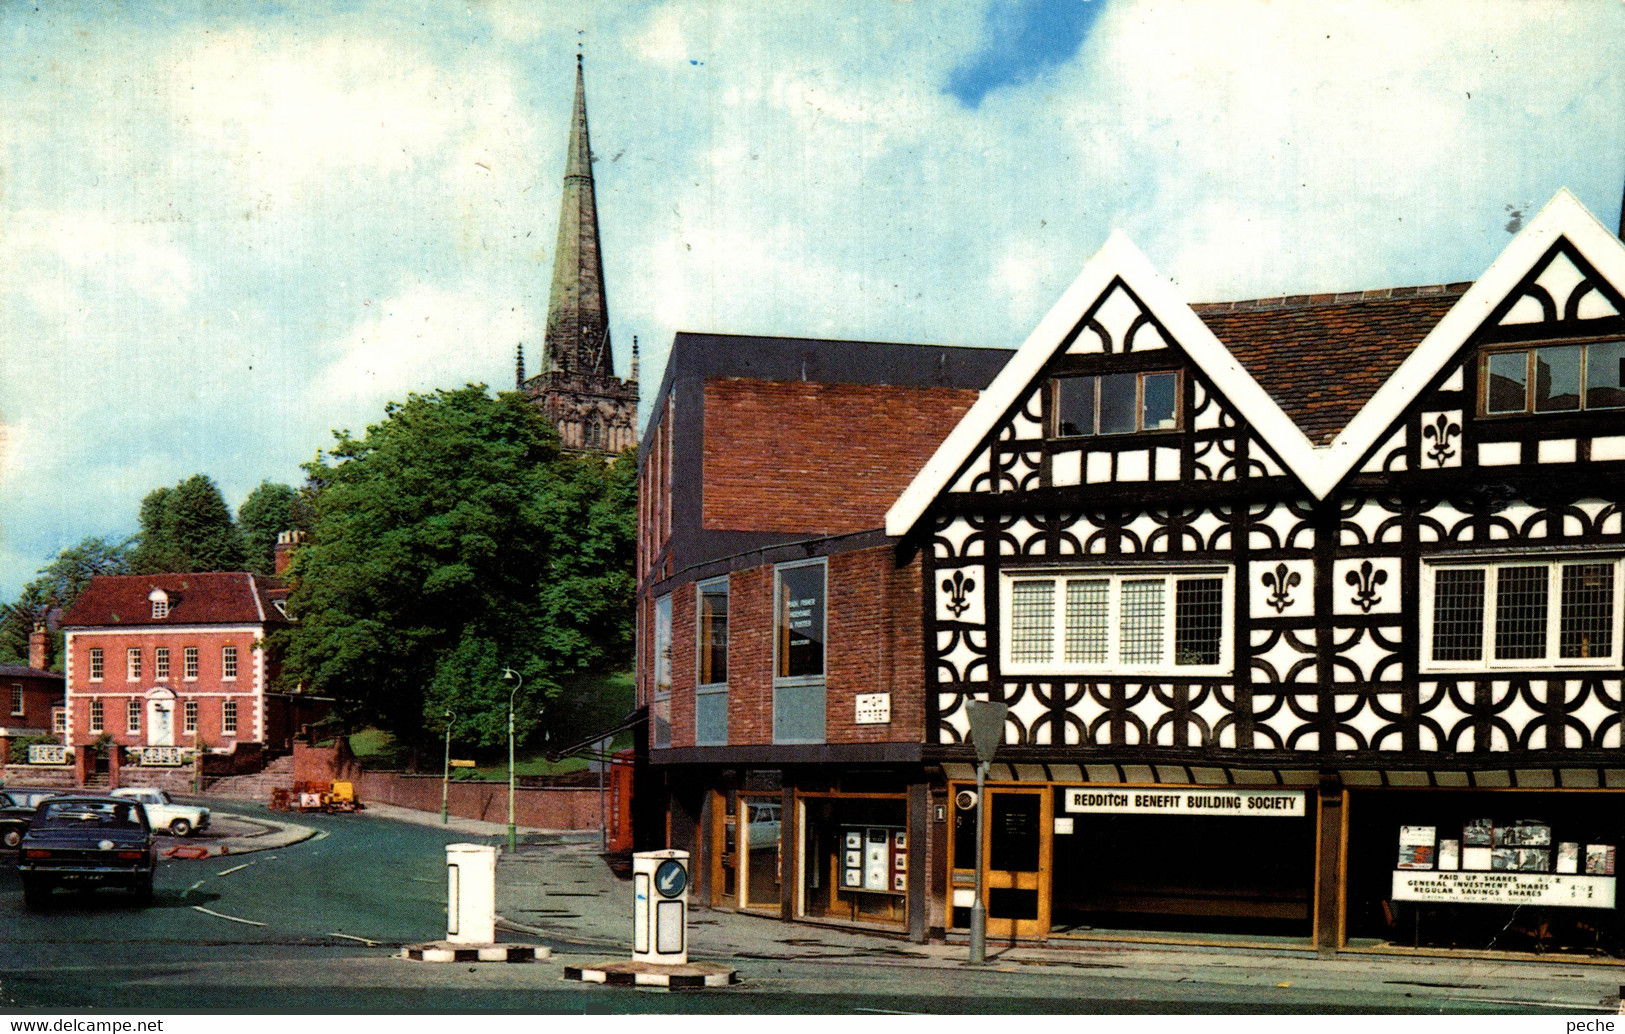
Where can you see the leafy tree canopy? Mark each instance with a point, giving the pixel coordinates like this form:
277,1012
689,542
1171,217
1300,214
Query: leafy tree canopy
187,528
435,540
58,584
268,511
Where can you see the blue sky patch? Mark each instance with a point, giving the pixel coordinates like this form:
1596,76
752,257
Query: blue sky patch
1024,38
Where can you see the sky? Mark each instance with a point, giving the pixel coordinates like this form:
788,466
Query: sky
226,230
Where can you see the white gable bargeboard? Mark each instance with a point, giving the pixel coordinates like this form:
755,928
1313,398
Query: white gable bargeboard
1320,469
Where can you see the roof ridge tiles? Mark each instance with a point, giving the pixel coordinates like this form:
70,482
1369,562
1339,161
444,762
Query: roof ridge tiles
1300,301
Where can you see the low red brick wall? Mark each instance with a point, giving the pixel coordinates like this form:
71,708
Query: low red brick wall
540,807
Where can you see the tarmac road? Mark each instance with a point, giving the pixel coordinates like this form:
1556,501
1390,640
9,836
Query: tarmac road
287,929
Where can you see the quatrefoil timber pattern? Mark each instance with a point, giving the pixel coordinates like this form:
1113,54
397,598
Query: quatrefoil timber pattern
1323,533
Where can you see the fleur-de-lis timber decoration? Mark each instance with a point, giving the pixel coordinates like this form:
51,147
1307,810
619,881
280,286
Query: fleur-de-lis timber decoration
1440,432
1280,582
1365,582
958,589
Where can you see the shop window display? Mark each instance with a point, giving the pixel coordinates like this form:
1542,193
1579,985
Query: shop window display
857,859
1532,872
760,817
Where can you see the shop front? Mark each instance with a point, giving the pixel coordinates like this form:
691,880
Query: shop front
1101,861
1485,870
819,854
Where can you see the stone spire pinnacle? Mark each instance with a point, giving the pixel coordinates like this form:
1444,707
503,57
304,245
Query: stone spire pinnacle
577,337
519,367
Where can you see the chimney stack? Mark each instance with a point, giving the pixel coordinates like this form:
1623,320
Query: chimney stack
38,642
286,543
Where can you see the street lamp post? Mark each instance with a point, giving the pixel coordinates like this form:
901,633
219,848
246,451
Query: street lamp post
445,778
986,730
508,674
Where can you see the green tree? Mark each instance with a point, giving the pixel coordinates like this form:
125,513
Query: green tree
268,511
418,584
589,585
187,528
58,584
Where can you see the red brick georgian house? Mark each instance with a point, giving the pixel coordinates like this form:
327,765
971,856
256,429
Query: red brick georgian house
173,660
30,697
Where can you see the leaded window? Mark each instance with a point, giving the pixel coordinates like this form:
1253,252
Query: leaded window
1145,621
1522,614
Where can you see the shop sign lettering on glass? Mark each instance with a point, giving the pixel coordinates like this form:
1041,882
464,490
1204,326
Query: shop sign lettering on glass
801,621
1505,888
1223,803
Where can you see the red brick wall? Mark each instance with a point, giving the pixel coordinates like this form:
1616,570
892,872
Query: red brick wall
684,661
771,448
873,645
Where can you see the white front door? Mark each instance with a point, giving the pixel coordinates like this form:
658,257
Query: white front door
160,723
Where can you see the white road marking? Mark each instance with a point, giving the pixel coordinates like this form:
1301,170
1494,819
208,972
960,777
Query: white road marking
228,872
222,915
320,836
352,937
193,887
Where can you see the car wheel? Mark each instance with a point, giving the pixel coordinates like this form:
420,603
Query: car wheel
36,895
13,837
180,827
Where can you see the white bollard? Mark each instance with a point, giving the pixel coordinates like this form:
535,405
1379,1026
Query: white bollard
660,907
471,894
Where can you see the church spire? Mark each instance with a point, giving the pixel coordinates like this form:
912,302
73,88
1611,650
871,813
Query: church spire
577,335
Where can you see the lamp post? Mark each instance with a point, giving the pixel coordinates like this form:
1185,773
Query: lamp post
986,730
509,675
445,778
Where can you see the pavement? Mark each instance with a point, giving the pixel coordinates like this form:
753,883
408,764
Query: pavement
558,889
233,834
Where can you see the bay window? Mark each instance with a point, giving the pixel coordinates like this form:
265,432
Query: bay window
1143,621
1521,613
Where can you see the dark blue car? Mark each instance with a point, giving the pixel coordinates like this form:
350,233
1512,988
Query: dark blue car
87,842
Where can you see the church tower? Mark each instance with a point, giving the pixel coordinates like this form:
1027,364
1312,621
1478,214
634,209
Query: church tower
594,411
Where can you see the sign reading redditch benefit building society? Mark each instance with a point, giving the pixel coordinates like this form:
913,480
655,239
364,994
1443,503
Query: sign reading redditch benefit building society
1155,801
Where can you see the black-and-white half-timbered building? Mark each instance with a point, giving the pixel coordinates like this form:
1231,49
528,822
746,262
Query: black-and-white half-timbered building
1307,611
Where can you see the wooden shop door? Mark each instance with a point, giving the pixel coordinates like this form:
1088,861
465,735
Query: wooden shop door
1017,849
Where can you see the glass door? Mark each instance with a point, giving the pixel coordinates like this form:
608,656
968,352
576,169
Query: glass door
1017,848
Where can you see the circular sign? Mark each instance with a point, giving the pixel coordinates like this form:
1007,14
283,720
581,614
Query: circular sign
671,879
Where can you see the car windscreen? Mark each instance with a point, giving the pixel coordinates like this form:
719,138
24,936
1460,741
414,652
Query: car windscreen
87,814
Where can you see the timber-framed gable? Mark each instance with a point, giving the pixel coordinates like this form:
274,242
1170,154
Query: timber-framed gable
1201,584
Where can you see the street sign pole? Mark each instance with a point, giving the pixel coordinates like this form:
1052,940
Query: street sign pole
445,778
986,731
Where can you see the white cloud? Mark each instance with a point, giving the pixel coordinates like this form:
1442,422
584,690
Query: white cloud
420,339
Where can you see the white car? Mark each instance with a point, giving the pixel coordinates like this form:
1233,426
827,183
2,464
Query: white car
163,814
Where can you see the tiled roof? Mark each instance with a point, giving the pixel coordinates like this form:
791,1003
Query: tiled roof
23,671
212,598
1321,356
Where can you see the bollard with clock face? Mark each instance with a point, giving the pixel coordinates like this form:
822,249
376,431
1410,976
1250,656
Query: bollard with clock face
660,884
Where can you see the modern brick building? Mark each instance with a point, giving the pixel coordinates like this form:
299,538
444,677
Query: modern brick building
1307,613
779,636
172,662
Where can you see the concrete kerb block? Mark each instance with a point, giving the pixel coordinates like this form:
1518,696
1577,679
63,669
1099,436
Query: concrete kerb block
445,951
689,976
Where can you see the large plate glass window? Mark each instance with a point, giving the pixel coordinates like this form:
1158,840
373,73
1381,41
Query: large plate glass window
1115,403
1135,621
1521,614
660,701
798,645
1554,379
711,694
